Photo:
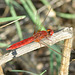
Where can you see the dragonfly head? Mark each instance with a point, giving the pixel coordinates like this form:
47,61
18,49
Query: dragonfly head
50,32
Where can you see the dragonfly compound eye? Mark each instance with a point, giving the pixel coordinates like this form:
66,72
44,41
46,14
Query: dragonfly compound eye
50,31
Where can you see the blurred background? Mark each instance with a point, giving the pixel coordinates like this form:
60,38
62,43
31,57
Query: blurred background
42,61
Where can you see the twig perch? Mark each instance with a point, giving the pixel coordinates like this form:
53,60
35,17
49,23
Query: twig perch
63,34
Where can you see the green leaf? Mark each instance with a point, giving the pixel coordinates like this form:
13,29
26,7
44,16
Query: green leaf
66,15
23,71
43,72
6,19
3,45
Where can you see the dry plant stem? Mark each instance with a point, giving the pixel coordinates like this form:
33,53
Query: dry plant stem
12,22
5,11
66,61
63,34
1,71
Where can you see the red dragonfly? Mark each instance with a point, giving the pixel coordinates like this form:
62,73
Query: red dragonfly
36,37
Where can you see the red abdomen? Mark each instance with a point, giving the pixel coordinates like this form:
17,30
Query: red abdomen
37,37
21,43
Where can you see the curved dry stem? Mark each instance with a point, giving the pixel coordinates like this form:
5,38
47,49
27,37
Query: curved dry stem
66,61
63,34
1,71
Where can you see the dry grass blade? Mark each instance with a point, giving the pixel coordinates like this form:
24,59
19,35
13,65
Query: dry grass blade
12,22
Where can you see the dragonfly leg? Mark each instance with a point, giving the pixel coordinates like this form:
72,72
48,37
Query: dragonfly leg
48,39
39,43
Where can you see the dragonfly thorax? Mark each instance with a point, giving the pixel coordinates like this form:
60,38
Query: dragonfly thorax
40,35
